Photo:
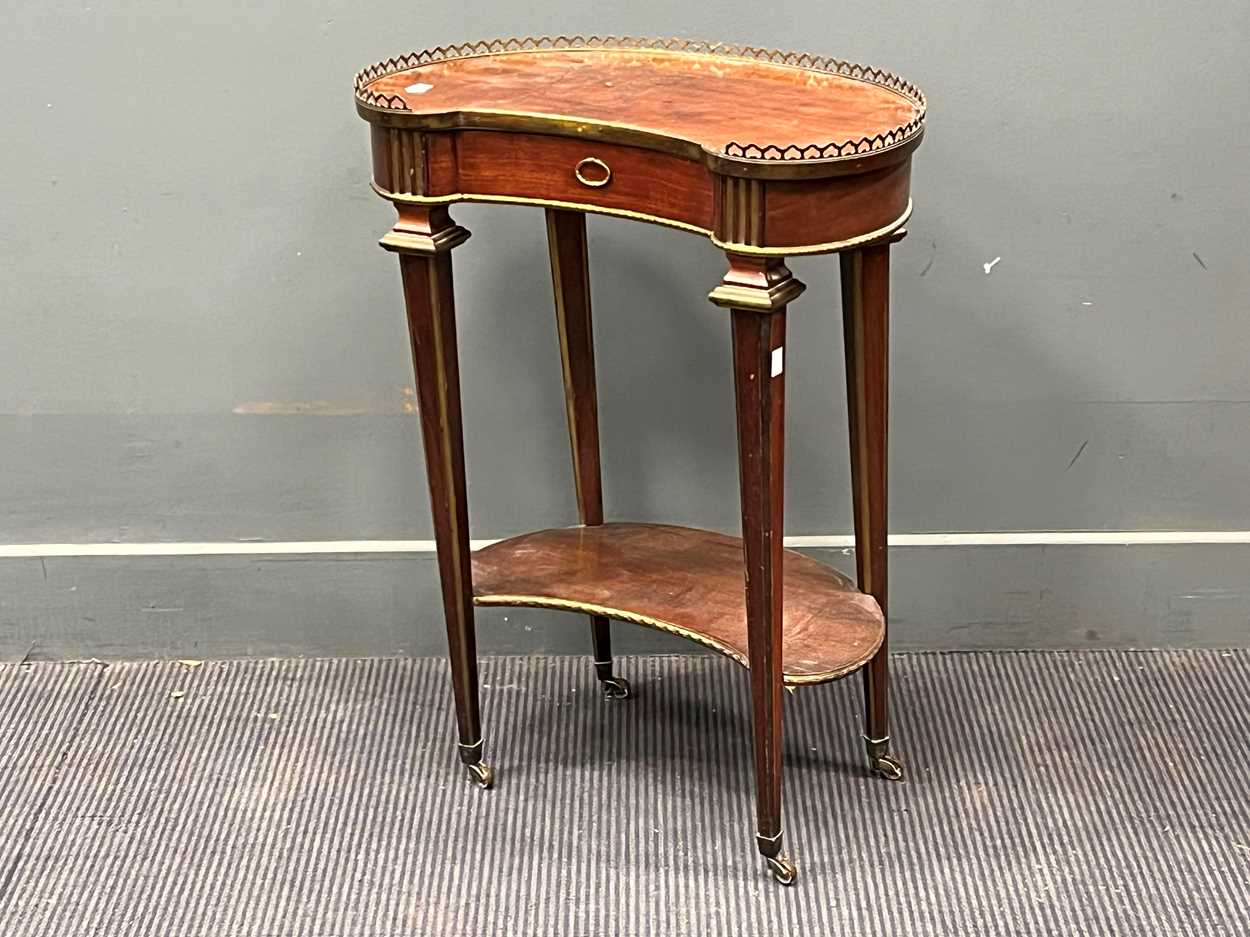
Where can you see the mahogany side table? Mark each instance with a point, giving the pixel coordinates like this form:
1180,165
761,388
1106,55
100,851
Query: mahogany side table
768,155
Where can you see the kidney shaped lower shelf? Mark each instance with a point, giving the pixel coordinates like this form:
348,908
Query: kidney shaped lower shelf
687,582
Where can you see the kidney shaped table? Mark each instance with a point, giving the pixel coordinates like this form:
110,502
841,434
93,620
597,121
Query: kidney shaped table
766,154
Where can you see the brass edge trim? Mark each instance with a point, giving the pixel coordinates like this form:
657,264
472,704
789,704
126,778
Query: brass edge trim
823,248
544,202
570,605
603,131
486,118
811,168
828,247
754,152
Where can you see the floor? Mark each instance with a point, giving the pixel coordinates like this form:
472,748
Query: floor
1048,793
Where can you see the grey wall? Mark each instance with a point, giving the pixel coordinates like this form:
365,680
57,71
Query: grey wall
200,340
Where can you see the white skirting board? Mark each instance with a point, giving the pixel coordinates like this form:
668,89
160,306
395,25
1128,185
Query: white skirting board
381,598
817,542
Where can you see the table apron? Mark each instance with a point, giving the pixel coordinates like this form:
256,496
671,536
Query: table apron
741,215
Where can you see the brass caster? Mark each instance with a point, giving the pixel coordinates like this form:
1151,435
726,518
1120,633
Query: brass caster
887,767
616,688
481,774
782,868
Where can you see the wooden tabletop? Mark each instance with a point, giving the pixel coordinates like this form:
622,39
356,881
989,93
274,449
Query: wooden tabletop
729,100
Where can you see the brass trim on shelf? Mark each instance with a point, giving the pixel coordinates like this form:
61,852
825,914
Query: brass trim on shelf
571,605
828,247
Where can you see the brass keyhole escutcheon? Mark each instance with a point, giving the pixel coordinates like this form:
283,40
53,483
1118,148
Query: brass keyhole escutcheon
598,176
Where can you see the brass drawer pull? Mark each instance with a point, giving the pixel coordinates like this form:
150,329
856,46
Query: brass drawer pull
600,169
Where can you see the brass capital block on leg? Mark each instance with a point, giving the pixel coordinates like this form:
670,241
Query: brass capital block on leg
763,284
423,229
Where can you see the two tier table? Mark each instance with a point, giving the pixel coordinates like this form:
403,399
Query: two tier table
766,154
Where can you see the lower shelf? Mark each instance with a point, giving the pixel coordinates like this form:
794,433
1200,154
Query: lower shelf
685,581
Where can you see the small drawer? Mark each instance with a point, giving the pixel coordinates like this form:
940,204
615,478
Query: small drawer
524,166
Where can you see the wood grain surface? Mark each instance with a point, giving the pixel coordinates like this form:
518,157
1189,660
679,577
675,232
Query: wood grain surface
696,97
685,581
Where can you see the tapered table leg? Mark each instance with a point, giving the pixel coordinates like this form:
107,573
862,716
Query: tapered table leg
756,292
866,320
570,275
423,238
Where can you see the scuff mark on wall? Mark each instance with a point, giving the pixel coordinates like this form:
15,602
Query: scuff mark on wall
406,404
1078,454
932,257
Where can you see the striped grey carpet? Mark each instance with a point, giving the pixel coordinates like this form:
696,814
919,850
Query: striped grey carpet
1071,793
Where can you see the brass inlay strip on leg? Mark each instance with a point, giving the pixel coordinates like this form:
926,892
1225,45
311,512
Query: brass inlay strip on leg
440,366
585,252
863,539
566,367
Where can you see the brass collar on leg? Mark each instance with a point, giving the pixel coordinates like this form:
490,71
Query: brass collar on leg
423,229
763,284
473,748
